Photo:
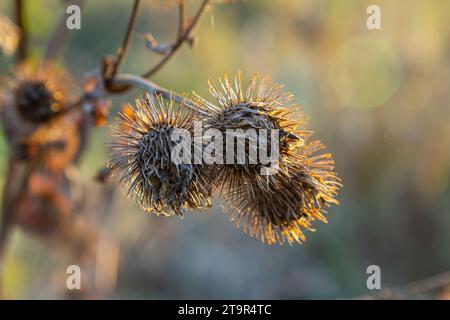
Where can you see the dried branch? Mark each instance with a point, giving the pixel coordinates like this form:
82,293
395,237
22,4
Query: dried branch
22,50
166,47
161,48
6,199
130,80
124,82
127,39
181,38
181,18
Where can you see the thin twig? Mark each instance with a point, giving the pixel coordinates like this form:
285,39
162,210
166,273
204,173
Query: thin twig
59,37
131,80
71,107
22,50
127,39
181,18
124,82
6,200
179,41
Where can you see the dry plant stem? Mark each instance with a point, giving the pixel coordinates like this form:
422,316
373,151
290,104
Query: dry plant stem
127,39
181,18
6,201
10,197
124,82
6,216
22,50
7,195
59,37
179,41
131,80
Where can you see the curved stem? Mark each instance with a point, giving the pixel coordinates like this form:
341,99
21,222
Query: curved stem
127,39
130,80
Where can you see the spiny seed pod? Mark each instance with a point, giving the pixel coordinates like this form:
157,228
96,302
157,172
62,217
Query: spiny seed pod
279,206
263,105
30,101
40,92
141,159
299,193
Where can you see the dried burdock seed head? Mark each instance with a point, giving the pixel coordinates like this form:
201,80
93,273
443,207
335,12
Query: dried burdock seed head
30,103
300,193
278,207
262,105
34,101
40,92
141,158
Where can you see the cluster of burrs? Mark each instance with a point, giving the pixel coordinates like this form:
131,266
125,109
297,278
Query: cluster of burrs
275,208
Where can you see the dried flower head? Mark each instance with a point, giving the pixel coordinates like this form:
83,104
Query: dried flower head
302,190
263,105
30,103
141,158
277,207
40,92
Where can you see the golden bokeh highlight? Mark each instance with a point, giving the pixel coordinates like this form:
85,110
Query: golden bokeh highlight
364,72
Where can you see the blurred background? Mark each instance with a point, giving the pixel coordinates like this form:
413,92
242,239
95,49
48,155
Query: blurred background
379,100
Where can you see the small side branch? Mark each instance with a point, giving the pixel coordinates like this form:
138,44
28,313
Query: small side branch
181,38
124,82
127,39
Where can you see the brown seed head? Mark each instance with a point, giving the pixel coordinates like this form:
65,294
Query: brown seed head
278,207
263,105
30,102
40,92
141,159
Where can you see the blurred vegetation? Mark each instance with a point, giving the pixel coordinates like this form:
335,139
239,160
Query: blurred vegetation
379,100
